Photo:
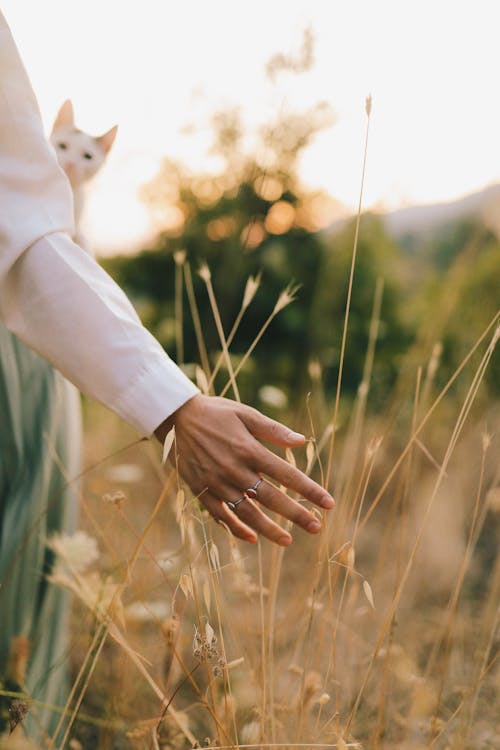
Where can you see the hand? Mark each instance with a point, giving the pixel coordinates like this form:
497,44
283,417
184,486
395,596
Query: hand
219,457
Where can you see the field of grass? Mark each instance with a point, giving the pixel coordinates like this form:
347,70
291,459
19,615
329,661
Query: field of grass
380,633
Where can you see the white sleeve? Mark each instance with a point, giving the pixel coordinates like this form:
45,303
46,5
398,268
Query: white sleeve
52,294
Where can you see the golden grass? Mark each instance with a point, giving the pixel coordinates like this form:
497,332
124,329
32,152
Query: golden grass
379,633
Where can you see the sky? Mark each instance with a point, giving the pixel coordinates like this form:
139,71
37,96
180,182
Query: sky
156,66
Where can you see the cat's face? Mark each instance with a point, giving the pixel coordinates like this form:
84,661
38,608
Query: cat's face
79,154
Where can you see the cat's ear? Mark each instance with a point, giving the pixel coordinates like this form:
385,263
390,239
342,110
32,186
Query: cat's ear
106,141
65,117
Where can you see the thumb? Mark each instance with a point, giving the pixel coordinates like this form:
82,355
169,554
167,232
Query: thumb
265,428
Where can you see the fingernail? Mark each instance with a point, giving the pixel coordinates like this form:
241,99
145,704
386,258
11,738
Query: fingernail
295,436
313,527
284,541
327,502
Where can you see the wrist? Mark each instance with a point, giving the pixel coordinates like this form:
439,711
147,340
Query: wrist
164,428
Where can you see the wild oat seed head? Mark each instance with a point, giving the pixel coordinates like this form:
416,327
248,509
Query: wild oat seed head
179,257
433,365
204,273
368,593
201,380
368,105
373,447
253,283
167,444
286,296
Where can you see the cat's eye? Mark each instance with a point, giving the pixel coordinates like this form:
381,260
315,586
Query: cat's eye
87,155
62,146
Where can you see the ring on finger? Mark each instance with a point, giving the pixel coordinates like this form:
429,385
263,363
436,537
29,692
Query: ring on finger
233,504
251,492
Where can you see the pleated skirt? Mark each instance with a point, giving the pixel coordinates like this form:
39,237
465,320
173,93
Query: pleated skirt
40,442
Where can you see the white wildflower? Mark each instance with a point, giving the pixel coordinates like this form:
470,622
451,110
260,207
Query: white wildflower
78,551
250,733
126,473
314,369
272,396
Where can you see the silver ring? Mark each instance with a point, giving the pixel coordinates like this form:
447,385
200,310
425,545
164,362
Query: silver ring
233,503
249,494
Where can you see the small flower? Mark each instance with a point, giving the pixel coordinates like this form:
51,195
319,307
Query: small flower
250,733
272,396
314,369
116,498
78,551
125,473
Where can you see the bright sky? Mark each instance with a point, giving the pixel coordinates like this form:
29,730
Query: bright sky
153,66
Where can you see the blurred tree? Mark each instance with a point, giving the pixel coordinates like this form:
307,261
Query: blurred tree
252,217
377,258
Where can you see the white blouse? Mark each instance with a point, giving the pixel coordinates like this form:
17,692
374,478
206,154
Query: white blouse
54,296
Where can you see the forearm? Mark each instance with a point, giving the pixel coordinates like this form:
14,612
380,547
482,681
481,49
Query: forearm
63,305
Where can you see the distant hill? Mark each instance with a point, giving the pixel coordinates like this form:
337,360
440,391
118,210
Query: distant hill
425,219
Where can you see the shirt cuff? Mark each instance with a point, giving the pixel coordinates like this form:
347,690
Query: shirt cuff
155,393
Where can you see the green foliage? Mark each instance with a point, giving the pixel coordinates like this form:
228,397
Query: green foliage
309,328
253,217
460,296
377,258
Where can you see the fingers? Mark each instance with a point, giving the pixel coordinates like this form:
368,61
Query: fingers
220,512
247,515
246,518
265,428
278,502
290,477
254,517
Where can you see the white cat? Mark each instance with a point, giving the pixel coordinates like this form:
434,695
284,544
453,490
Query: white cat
81,156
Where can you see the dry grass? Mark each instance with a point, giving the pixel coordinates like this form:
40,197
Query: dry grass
379,633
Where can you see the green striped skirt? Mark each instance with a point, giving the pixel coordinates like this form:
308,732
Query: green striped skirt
40,436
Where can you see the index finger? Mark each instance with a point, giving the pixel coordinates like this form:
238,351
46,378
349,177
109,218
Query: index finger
289,476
